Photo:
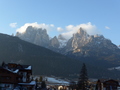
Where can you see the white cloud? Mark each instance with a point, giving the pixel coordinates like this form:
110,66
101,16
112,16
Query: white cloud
88,27
59,29
70,27
52,25
67,32
106,27
13,25
22,29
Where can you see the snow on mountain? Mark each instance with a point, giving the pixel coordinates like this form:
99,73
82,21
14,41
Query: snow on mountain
62,43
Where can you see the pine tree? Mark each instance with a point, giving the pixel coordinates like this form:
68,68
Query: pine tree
83,78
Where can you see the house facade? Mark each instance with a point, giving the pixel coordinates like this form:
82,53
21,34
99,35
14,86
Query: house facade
16,77
107,85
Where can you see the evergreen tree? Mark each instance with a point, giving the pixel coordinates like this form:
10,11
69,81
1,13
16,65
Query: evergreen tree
83,78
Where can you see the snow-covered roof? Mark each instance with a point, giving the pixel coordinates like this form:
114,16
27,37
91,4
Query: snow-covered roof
29,68
17,67
16,71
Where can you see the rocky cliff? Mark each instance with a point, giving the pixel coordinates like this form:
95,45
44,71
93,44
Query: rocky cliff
39,37
90,45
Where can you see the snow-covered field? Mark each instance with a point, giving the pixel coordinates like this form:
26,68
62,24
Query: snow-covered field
53,80
57,81
114,68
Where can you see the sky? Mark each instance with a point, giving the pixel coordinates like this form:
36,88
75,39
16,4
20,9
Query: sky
62,16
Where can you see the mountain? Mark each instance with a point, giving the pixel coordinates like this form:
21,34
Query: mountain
92,49
94,45
45,61
35,35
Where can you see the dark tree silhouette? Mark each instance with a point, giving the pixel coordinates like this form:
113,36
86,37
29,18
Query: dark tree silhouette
43,84
83,78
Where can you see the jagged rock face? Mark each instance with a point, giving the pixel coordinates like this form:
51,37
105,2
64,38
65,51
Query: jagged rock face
78,40
82,44
39,37
36,36
54,42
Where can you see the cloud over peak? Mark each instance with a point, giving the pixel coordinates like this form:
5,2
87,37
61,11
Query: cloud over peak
67,32
88,27
23,28
59,29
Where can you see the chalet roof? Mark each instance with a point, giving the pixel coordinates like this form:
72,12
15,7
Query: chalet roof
15,68
28,68
111,80
108,81
15,71
102,80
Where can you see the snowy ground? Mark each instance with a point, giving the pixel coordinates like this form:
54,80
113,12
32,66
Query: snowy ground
114,68
57,81
52,80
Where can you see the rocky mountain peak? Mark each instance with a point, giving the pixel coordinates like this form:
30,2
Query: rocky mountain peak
81,31
89,45
81,34
34,35
60,37
79,39
81,44
54,42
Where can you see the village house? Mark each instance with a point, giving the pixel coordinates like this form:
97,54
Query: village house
16,77
107,84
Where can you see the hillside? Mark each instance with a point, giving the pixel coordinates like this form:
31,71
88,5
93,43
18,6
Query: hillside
45,61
